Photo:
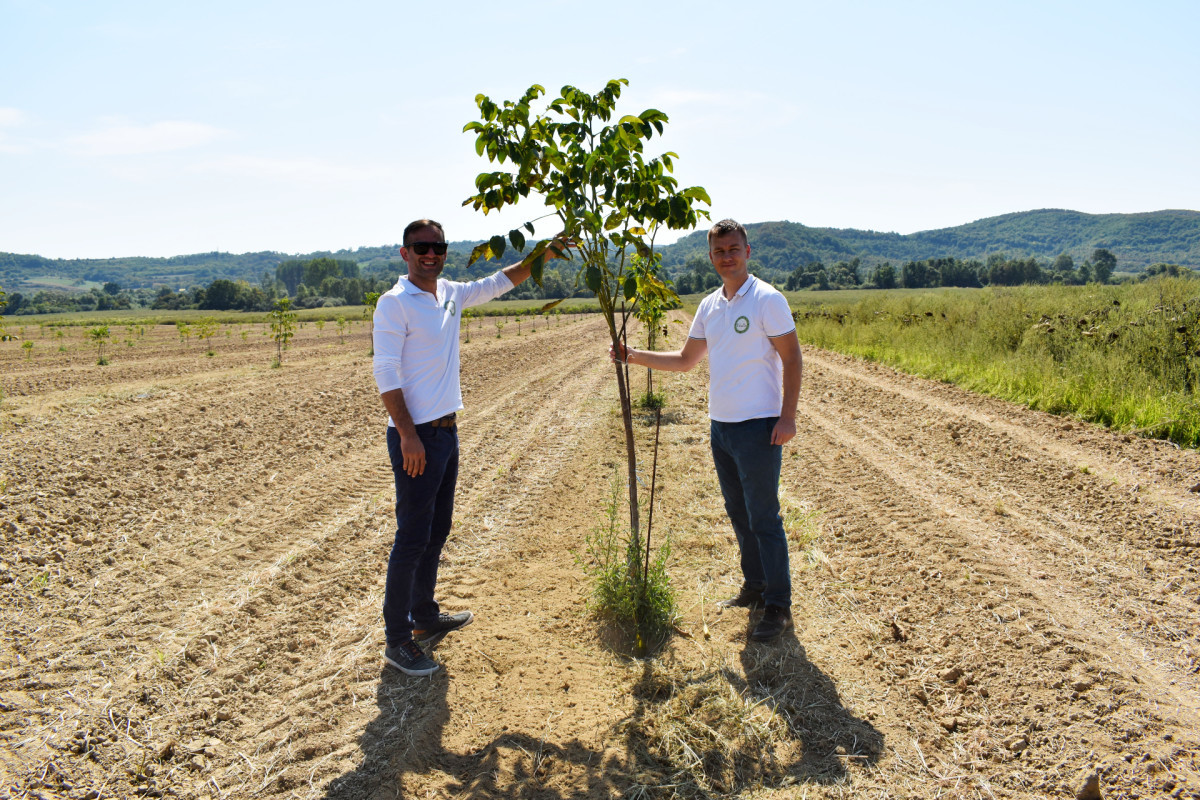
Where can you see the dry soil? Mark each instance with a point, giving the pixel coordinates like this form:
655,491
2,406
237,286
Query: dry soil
989,601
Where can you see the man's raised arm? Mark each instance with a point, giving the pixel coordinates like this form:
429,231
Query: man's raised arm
518,273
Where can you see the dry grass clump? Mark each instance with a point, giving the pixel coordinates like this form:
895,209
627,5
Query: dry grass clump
703,737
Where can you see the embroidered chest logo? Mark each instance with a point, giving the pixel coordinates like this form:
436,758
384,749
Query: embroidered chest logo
449,306
741,325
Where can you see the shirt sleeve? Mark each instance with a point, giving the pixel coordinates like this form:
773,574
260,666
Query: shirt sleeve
777,316
390,328
697,329
484,289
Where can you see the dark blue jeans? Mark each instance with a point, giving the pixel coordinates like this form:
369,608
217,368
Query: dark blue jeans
424,511
748,468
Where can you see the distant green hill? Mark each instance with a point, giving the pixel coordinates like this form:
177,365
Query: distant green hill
1137,240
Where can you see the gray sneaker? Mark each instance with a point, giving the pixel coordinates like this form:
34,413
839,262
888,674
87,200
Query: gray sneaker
409,658
427,634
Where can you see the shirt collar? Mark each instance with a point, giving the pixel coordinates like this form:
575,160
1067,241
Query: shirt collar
745,287
410,287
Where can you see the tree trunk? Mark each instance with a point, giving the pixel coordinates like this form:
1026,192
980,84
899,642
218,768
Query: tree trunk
630,452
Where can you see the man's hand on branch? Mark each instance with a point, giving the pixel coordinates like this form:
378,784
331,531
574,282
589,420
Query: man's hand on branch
559,245
619,353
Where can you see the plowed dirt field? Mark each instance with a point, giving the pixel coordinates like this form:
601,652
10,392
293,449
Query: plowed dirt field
989,602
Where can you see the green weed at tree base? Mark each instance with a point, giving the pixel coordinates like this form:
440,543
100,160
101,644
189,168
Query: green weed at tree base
637,599
652,400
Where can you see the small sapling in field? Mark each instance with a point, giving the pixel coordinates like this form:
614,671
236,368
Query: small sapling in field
320,327
206,329
283,327
99,335
341,326
650,310
500,323
372,300
27,346
184,330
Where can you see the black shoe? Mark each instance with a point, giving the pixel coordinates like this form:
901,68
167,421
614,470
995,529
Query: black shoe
427,634
775,620
409,658
746,598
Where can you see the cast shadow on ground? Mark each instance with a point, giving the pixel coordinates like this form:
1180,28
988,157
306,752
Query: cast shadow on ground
646,417
404,757
780,675
783,724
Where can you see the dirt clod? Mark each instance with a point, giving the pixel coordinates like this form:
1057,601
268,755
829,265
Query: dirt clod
1089,786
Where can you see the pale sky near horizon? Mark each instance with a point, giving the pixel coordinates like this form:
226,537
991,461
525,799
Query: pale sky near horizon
160,128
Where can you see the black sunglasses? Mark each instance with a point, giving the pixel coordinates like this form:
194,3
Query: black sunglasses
422,248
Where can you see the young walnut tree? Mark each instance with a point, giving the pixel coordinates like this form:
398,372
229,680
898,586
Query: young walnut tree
609,199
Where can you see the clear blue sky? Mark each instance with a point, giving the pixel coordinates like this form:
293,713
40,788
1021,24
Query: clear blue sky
163,128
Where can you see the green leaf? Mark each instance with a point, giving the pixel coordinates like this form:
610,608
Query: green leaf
496,245
630,287
549,306
518,241
697,193
529,227
592,278
480,251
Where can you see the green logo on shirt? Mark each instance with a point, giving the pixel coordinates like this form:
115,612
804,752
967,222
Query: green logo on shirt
741,325
449,306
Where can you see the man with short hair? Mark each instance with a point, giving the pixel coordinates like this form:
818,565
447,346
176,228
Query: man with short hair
417,371
755,369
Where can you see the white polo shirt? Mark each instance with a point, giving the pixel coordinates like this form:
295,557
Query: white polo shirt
745,373
416,342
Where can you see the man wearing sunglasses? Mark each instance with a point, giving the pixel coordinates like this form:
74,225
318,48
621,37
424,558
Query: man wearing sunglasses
417,370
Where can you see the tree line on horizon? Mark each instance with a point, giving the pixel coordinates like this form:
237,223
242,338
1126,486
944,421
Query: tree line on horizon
997,270
313,283
328,282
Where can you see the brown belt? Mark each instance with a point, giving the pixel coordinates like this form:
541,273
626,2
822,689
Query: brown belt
448,421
